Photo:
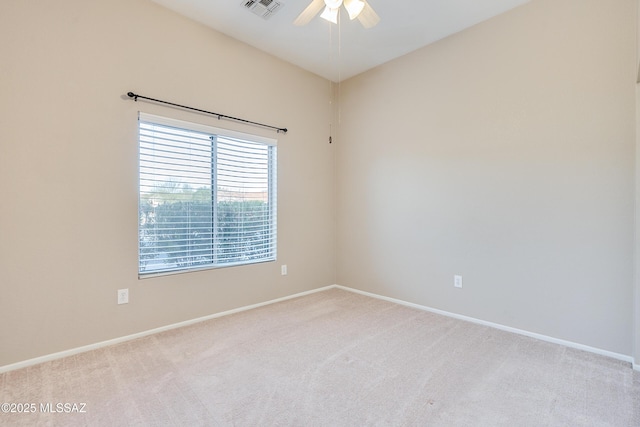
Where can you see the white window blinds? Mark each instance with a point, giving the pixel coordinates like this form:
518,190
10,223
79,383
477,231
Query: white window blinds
207,197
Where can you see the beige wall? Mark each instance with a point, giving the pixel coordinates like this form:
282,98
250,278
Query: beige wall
68,168
636,352
504,153
636,348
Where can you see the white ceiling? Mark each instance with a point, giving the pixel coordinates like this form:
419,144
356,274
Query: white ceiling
338,52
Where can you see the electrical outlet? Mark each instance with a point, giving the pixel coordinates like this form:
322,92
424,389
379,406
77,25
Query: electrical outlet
457,281
123,296
283,269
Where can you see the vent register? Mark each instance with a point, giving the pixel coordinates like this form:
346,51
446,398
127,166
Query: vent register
262,8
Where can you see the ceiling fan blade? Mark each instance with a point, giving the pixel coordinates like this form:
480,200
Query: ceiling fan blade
368,17
307,15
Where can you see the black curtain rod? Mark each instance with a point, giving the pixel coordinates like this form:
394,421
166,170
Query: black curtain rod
135,97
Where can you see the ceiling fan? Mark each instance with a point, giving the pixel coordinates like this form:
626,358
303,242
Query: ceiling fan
355,8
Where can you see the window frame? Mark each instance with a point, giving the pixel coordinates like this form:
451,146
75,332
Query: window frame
224,133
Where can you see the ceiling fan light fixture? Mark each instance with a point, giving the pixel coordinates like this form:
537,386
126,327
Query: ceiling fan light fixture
333,4
330,15
354,7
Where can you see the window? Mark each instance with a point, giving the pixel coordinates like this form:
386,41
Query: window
207,197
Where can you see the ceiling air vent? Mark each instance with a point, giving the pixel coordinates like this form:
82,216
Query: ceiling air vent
262,8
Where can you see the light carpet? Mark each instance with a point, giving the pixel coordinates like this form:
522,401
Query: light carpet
332,358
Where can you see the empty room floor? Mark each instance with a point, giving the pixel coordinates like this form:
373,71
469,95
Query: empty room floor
331,358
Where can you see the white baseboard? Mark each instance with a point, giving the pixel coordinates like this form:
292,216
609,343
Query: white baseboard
77,350
541,337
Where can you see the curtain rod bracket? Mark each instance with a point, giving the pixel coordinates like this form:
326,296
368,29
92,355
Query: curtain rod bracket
135,97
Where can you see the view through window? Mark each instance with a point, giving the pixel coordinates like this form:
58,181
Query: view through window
207,197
